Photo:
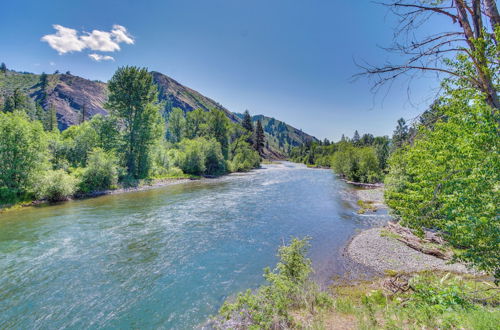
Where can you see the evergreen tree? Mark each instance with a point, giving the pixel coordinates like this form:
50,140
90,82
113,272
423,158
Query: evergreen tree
17,101
400,135
247,121
51,119
248,126
367,139
259,138
83,114
3,67
43,81
133,99
355,138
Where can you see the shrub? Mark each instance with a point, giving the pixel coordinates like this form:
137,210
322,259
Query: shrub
101,172
191,159
244,158
289,288
55,185
357,164
201,156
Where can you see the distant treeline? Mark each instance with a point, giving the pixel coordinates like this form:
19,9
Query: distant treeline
137,141
360,158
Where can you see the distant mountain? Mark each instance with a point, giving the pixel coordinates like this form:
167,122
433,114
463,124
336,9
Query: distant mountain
281,136
69,94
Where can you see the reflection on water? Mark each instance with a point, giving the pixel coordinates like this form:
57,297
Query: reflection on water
165,257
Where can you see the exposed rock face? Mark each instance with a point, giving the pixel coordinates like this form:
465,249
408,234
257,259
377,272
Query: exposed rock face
185,98
70,94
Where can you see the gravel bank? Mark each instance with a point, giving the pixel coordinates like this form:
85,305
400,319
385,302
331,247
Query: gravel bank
382,253
375,196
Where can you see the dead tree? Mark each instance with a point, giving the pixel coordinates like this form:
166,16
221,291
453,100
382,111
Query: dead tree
472,22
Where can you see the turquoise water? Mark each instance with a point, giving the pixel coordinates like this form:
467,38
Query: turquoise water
166,257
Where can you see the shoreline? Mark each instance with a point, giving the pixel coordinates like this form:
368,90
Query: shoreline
154,184
379,250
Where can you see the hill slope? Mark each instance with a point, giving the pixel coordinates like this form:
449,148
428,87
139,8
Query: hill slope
69,94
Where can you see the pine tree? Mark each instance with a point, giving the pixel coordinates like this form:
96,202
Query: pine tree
355,138
248,125
3,67
259,138
400,134
83,114
51,119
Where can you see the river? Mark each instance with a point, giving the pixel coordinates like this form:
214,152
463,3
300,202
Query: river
167,257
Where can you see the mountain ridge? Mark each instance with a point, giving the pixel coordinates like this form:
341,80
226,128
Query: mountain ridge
70,94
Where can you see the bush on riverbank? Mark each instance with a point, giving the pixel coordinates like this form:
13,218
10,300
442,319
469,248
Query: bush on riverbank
101,172
55,186
271,306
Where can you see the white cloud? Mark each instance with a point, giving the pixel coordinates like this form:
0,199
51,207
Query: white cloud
99,57
64,40
68,40
120,34
101,41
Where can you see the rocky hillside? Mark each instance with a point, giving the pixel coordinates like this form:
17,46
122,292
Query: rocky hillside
69,94
280,135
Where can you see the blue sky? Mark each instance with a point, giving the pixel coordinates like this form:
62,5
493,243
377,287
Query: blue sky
289,59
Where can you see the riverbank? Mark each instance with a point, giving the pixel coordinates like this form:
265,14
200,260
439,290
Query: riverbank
140,186
383,249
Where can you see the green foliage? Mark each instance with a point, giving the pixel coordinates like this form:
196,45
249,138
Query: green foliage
218,128
133,99
259,138
244,157
400,135
101,172
196,123
200,157
429,300
448,179
357,164
288,288
54,185
23,148
176,125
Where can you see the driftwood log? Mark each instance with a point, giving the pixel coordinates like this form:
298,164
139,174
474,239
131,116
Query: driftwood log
420,244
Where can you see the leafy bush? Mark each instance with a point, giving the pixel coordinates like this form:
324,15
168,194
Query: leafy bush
289,288
55,185
357,164
448,180
201,156
244,158
101,172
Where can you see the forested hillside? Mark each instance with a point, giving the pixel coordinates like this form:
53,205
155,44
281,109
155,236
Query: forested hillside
137,140
75,99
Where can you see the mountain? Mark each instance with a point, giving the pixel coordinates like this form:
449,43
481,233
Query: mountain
69,94
281,136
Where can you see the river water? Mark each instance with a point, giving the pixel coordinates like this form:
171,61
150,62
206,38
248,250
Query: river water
167,257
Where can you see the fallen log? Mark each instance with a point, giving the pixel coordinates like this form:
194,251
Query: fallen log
405,236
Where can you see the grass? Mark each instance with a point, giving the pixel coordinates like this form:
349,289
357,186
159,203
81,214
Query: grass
366,206
426,300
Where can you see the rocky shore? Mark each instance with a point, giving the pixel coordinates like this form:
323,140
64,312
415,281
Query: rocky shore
380,249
